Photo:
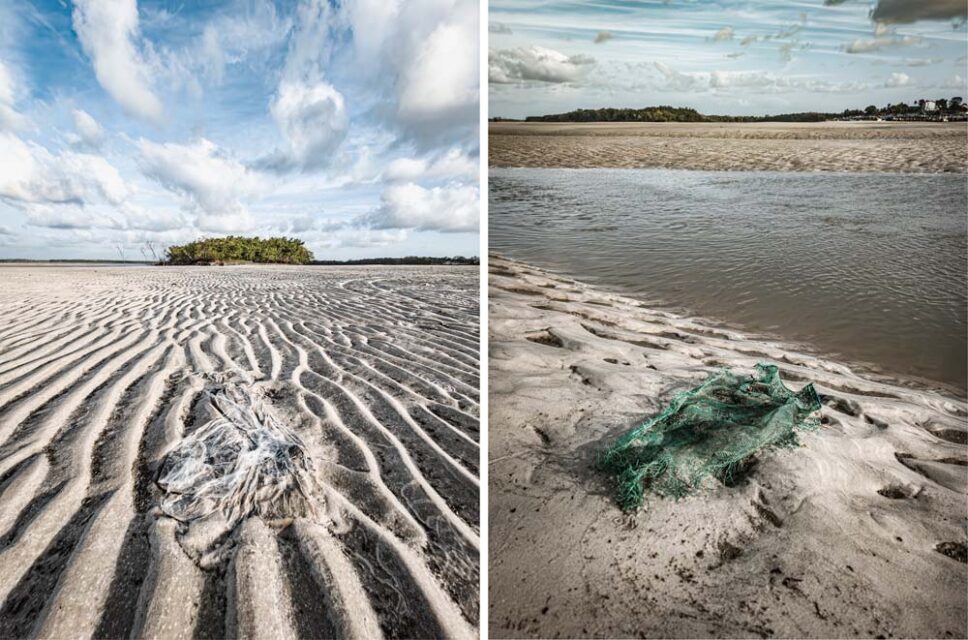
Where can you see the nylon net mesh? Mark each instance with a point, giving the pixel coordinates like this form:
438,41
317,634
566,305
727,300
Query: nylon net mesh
711,430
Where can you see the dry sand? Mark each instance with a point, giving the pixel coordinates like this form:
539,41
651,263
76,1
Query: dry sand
860,531
362,382
915,147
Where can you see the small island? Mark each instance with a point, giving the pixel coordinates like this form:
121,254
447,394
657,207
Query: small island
238,249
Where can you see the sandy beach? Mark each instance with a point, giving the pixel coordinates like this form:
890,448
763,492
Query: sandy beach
858,532
913,147
239,452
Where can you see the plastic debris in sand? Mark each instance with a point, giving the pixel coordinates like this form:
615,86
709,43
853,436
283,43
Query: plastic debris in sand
241,462
711,430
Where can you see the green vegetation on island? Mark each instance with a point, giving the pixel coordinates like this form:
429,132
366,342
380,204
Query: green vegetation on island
939,109
236,249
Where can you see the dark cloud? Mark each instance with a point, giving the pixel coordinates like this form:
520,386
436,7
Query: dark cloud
908,11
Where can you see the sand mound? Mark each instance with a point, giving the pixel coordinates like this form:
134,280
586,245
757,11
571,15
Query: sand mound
860,531
216,452
917,147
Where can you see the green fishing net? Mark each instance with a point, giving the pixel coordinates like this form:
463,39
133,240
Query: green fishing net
711,430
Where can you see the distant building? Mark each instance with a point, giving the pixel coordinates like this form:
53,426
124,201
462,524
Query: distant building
929,106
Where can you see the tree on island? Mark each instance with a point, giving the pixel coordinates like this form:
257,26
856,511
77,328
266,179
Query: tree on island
234,249
943,108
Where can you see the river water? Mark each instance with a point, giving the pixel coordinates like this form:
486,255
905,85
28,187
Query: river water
867,268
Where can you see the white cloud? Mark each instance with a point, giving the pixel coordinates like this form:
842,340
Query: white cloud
235,222
88,132
423,59
31,174
213,57
353,237
454,164
876,44
143,219
313,121
440,84
411,206
898,80
9,117
955,82
535,63
678,81
107,32
760,82
210,182
71,218
126,217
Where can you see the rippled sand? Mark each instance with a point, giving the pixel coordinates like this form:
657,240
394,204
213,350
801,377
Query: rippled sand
859,532
354,513
918,147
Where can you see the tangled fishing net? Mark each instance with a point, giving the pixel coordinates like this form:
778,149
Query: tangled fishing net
242,461
711,430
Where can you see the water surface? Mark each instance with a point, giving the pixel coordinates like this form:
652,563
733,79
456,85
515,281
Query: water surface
868,268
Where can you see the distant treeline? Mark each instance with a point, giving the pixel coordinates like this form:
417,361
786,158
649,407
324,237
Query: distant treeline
411,260
70,260
935,109
240,249
670,114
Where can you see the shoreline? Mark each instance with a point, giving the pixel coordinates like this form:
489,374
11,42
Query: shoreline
842,536
840,146
871,370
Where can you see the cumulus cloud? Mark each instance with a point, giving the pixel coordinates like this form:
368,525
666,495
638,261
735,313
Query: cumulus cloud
678,81
602,37
313,120
536,64
440,85
423,58
411,206
209,181
726,33
898,80
88,133
107,32
876,44
341,236
955,82
30,174
453,164
752,81
127,217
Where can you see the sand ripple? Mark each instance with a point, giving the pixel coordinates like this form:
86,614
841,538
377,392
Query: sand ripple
918,147
860,532
239,451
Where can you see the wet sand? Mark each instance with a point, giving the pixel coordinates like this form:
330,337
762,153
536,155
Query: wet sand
859,532
355,512
913,147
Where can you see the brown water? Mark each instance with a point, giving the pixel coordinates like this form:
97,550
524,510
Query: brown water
867,268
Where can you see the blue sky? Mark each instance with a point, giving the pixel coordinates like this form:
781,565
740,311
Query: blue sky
352,125
723,56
